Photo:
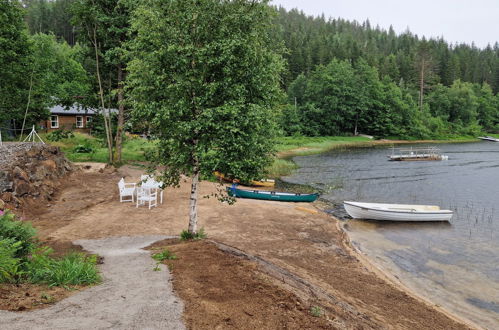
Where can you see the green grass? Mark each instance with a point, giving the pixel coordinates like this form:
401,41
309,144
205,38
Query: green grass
186,236
315,143
20,261
133,148
72,269
164,255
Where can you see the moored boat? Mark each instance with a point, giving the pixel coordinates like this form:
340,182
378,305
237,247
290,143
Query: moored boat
271,195
253,183
488,138
396,212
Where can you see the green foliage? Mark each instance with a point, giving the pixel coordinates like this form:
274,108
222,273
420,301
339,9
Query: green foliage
72,269
9,263
15,51
164,255
187,235
59,135
20,261
18,231
215,90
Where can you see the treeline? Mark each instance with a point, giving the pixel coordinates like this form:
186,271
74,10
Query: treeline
313,41
344,78
36,71
341,77
365,103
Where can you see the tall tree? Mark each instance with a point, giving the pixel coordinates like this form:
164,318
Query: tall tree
106,25
205,75
15,51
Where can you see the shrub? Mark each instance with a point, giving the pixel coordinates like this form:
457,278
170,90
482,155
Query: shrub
185,235
83,149
18,231
60,135
9,264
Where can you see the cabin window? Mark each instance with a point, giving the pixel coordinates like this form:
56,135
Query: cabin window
79,121
89,120
54,121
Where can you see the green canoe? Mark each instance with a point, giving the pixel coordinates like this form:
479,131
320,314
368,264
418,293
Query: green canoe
271,195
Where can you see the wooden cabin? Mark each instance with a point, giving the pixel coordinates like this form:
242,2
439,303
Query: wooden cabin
75,118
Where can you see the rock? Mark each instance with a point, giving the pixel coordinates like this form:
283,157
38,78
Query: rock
19,173
7,197
30,170
22,188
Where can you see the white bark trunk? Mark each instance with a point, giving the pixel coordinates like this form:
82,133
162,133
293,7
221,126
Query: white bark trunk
193,205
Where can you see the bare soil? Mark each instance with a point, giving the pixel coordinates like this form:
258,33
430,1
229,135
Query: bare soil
23,297
223,291
302,251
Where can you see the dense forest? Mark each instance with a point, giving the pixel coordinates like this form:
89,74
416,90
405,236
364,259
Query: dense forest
341,77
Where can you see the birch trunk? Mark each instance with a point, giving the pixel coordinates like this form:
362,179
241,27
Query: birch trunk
101,94
121,116
193,204
421,85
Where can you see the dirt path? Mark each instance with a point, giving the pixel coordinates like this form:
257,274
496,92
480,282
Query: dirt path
132,295
290,236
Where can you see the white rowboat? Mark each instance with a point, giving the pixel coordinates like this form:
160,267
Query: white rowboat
396,212
488,138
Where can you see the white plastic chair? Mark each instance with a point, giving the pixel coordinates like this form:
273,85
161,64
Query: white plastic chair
126,190
149,182
147,196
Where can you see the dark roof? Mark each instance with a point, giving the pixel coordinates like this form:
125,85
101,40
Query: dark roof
75,109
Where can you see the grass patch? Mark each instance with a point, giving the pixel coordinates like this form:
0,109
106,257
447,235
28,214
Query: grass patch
186,236
72,269
281,167
288,143
80,147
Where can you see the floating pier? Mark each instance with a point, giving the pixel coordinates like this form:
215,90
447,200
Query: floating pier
415,154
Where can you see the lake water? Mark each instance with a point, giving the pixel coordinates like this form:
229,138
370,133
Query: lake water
456,264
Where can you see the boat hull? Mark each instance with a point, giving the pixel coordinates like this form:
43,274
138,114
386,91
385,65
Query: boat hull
488,138
394,212
271,195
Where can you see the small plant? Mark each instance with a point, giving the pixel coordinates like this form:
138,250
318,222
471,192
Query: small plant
316,311
18,231
157,268
165,255
9,264
83,149
60,134
46,297
185,235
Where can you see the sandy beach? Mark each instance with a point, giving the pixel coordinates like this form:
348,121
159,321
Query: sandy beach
298,248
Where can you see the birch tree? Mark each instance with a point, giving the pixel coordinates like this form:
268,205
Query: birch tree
205,75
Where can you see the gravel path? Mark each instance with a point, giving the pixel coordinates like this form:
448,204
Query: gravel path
132,295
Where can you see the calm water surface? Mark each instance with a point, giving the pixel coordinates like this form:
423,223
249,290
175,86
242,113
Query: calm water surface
456,264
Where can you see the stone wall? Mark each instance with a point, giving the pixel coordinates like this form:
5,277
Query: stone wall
30,170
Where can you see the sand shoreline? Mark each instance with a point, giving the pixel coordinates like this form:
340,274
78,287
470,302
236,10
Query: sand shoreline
311,246
370,264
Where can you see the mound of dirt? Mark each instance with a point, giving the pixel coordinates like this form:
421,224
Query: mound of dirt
30,171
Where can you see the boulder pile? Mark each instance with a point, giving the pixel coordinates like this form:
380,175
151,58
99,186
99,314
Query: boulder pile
30,170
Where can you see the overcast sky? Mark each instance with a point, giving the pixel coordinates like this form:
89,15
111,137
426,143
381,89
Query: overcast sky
456,20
